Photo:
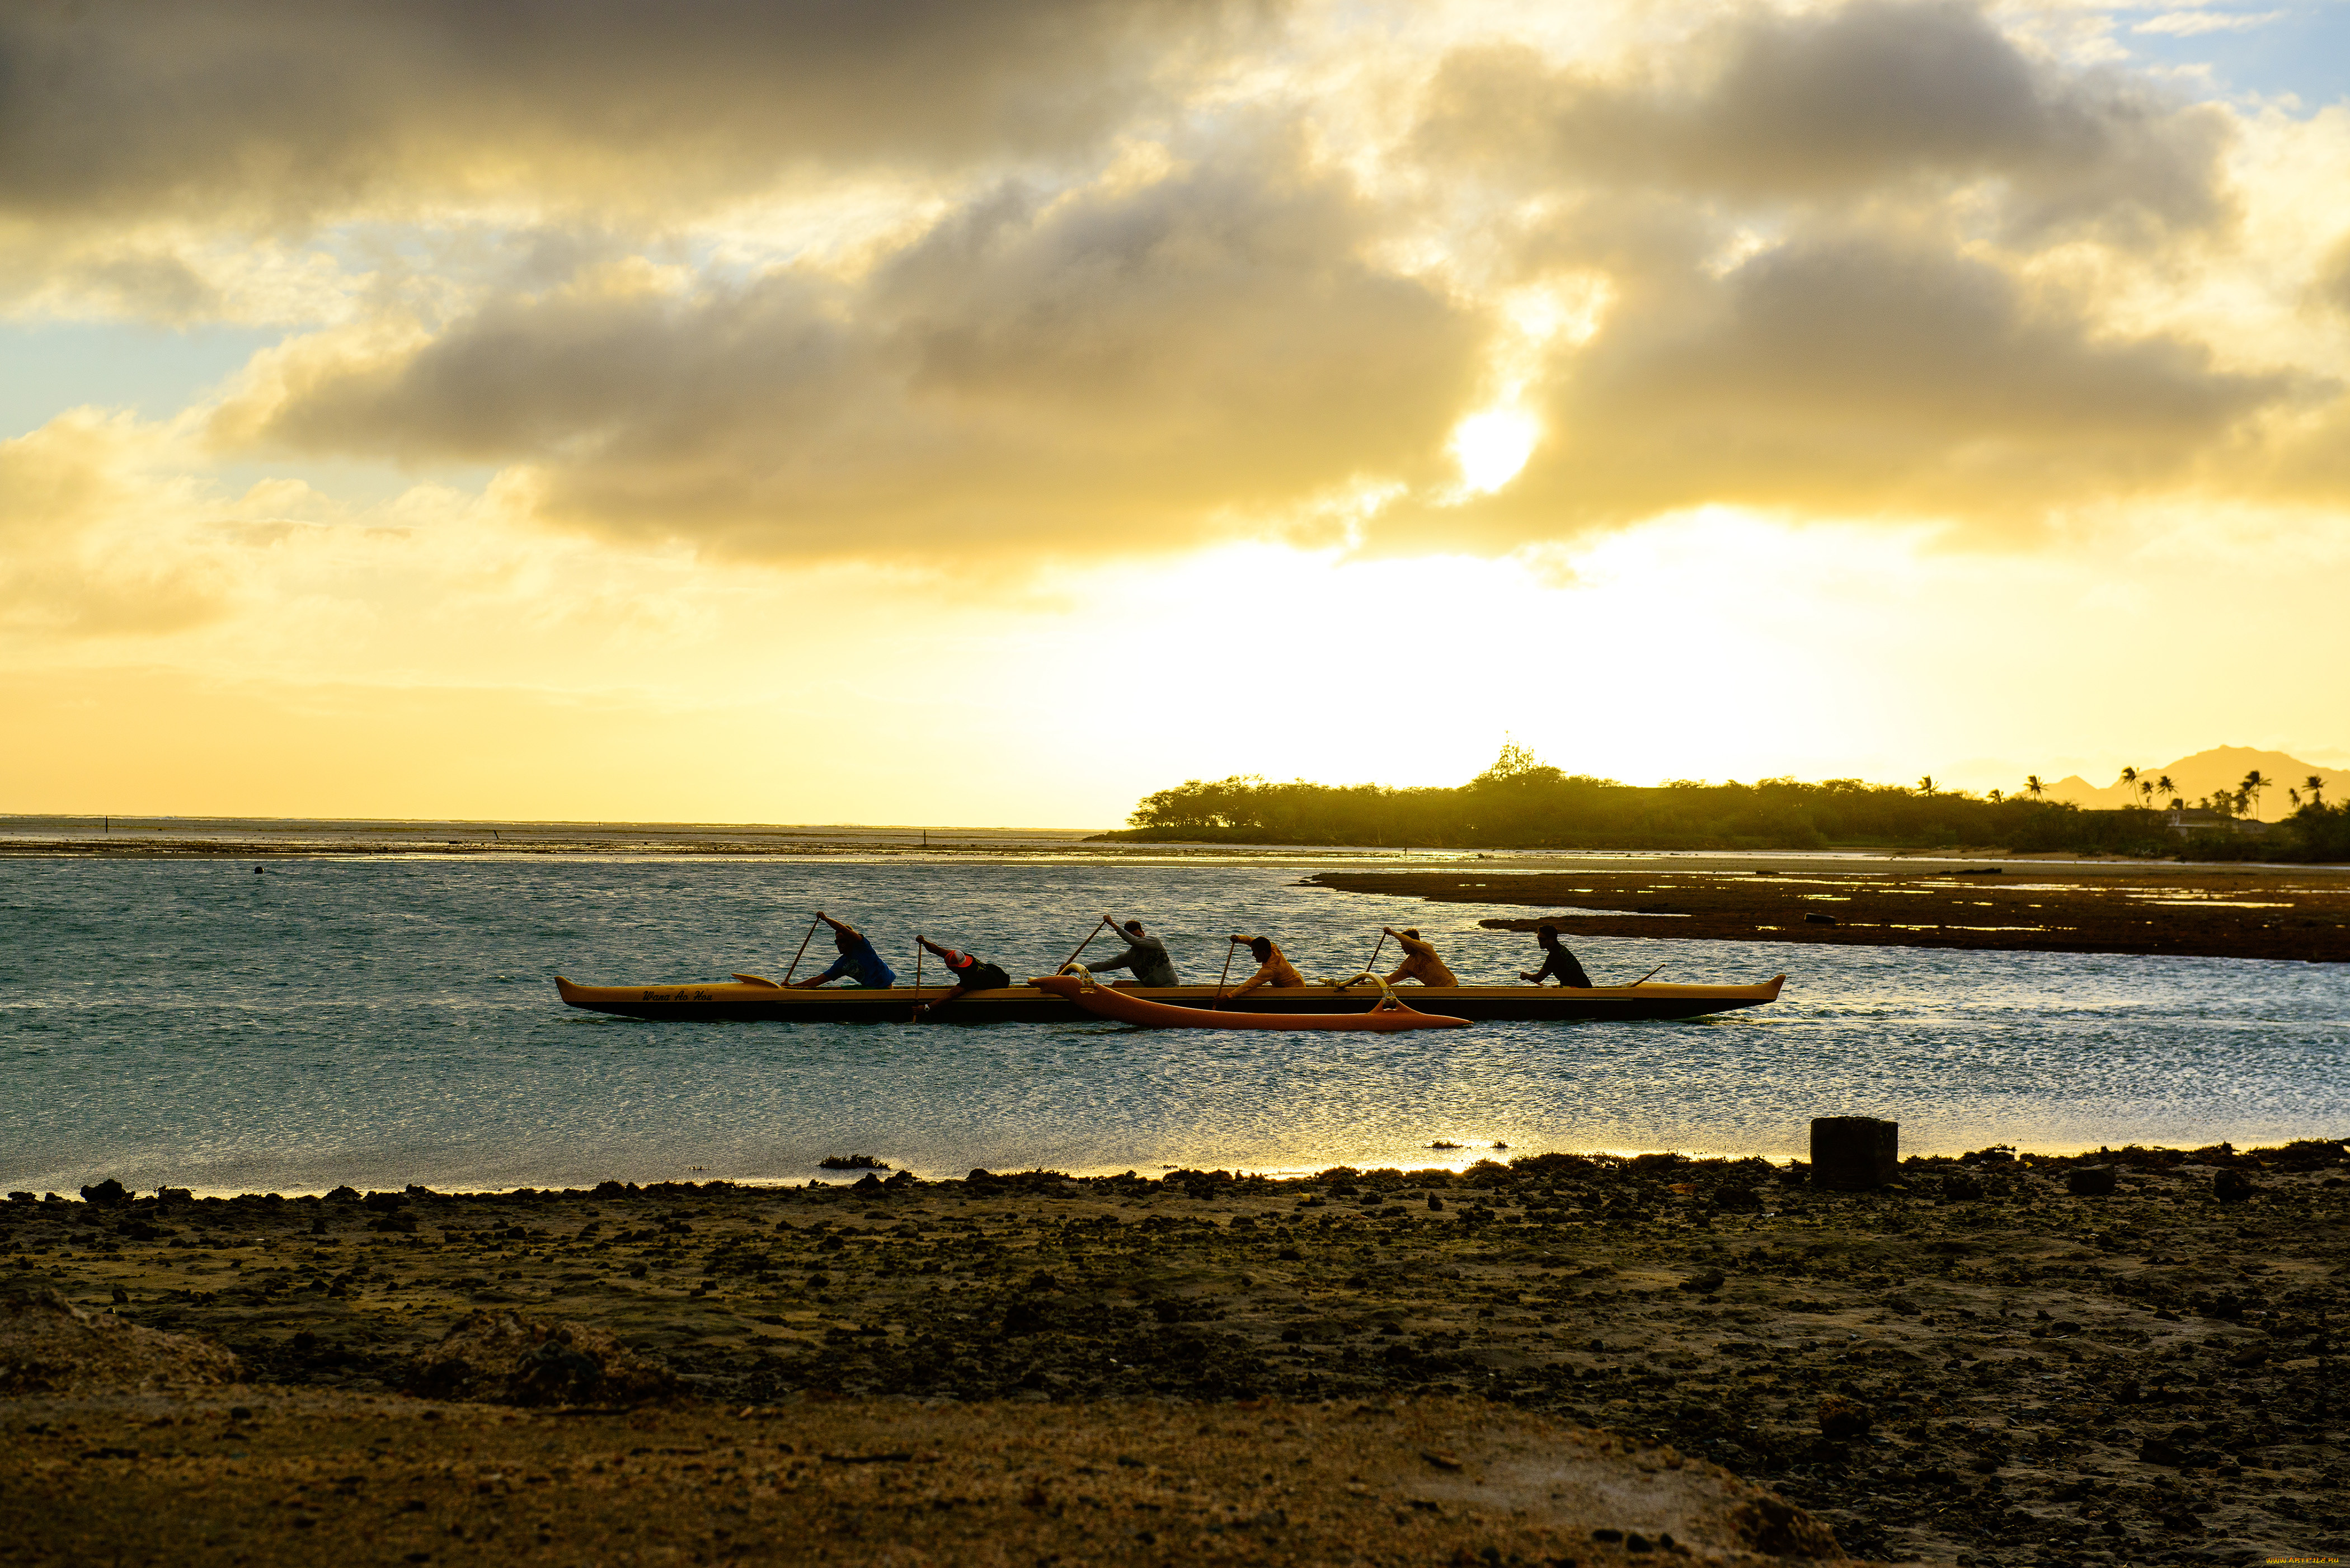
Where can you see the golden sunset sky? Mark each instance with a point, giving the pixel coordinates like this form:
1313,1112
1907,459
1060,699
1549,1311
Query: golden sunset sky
987,413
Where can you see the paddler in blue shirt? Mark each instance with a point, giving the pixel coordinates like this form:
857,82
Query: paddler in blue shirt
858,960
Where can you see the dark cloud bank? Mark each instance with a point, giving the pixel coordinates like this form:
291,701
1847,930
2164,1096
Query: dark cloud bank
1877,99
1139,365
302,108
1032,373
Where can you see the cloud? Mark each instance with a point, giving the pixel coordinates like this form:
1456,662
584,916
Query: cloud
180,163
1875,259
2332,285
2188,23
155,285
1869,261
283,110
1127,367
1857,375
88,541
1883,96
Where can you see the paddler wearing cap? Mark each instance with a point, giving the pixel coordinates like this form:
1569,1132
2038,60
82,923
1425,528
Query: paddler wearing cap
971,972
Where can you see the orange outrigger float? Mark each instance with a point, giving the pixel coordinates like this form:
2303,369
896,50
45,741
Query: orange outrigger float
1107,1002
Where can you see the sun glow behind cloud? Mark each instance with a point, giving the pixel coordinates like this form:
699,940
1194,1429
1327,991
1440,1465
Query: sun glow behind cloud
1659,385
1491,447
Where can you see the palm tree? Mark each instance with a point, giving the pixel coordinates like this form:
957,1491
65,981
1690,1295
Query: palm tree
2255,781
2034,788
1926,785
2146,793
2129,777
2294,795
1996,797
2315,785
2164,786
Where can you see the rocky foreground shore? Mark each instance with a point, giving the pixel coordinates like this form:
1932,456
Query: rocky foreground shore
2127,1358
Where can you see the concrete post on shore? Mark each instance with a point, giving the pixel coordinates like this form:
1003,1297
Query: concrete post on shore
1854,1154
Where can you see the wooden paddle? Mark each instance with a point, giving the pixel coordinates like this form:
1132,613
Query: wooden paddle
1372,962
916,1016
1228,967
795,957
1637,983
1084,945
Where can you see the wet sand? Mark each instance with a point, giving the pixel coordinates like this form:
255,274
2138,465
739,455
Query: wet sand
1974,1364
2072,906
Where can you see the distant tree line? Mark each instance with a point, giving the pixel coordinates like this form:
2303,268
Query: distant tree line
1520,803
2315,831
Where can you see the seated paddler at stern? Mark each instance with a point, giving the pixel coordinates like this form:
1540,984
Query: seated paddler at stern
1556,962
1145,955
970,972
1274,968
857,961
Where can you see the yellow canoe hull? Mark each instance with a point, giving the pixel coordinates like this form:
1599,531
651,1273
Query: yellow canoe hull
752,999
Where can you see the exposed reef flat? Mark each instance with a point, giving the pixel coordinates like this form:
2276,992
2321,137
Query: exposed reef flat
2273,912
1978,1360
266,838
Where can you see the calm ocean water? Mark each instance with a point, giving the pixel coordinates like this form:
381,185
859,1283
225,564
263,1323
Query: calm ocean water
379,1022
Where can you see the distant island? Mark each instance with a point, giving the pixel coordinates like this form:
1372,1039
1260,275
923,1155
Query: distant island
1520,802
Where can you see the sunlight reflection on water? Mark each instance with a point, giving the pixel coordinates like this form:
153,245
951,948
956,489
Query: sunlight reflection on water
382,1022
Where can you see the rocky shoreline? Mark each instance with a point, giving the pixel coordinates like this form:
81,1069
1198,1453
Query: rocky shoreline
2125,1357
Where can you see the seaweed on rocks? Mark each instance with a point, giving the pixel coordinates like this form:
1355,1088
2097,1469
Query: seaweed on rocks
508,1358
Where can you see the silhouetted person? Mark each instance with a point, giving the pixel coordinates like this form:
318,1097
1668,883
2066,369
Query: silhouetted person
1557,962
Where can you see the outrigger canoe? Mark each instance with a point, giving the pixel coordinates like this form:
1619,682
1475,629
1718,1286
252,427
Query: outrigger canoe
751,999
1126,1007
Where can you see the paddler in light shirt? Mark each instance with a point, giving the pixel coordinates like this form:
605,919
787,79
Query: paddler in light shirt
1274,968
858,960
1419,960
1145,955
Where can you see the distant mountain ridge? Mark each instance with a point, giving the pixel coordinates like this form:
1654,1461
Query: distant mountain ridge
2207,773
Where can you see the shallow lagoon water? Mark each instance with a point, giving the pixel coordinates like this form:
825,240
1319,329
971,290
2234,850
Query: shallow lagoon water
379,1022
